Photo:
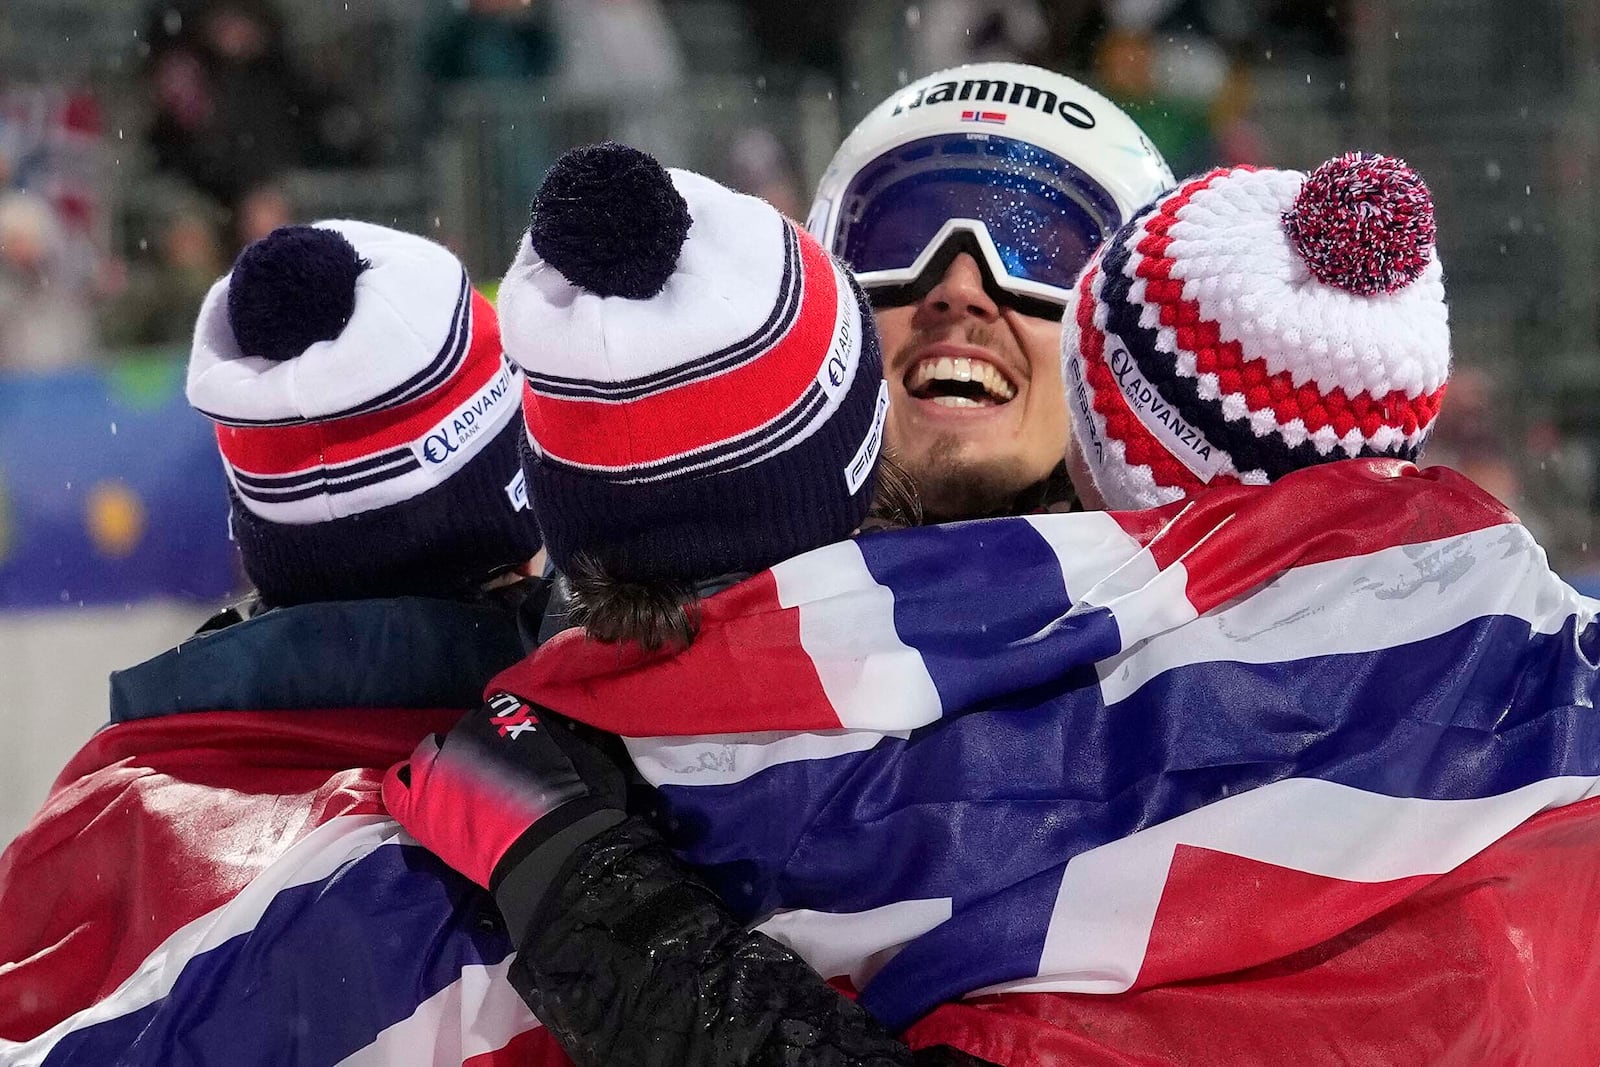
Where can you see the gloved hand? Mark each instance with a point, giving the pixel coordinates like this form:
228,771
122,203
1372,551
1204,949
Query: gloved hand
505,798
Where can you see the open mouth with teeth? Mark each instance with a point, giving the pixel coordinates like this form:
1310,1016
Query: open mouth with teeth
959,383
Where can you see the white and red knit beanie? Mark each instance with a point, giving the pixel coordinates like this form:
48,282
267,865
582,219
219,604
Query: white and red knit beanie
704,389
366,415
1253,322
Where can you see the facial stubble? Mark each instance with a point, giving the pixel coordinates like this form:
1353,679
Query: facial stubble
952,483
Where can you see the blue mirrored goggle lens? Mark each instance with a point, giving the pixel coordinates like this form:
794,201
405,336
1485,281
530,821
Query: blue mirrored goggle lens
1044,215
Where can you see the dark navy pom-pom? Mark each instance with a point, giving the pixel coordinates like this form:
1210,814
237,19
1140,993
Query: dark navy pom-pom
609,219
1363,223
292,288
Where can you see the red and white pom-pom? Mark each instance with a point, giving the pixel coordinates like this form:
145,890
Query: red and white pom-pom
1363,223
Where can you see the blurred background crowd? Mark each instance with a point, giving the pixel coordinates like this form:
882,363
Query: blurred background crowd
140,148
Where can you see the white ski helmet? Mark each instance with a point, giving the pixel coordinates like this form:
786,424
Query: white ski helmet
1026,169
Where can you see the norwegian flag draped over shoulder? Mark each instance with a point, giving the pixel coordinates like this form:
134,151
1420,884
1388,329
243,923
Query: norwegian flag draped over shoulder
1313,763
225,887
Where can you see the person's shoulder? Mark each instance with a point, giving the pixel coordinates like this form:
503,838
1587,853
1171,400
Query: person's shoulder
400,652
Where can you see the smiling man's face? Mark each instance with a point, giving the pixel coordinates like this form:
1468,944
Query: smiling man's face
978,408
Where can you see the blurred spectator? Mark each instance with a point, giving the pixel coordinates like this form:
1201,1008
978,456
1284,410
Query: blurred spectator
43,324
162,297
1167,63
1179,67
1236,136
1211,19
1471,437
1148,14
1320,29
615,48
261,210
1128,69
492,45
951,32
50,145
620,62
1073,28
795,37
231,111
759,164
491,40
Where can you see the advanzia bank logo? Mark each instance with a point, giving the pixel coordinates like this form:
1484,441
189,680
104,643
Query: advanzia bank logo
998,91
454,439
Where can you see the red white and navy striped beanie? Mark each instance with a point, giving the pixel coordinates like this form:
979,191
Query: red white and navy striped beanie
1253,322
366,415
704,388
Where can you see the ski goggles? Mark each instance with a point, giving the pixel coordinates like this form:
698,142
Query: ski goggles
1030,219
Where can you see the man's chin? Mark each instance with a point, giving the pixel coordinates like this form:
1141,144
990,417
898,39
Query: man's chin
953,486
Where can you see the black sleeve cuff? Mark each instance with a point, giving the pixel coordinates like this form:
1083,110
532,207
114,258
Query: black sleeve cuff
525,874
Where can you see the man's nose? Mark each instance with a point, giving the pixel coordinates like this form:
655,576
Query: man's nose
959,294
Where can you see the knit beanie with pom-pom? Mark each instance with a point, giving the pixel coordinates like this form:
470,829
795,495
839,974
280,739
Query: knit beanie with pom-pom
704,391
1253,322
366,416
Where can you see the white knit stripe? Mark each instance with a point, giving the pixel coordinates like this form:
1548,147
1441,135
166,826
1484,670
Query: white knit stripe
1106,907
446,448
1325,439
1123,484
1234,407
1237,264
718,456
728,275
400,483
1294,431
313,858
785,312
1202,291
409,306
477,1013
837,372
1264,422
270,486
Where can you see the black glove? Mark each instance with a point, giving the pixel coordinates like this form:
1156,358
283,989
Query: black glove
505,799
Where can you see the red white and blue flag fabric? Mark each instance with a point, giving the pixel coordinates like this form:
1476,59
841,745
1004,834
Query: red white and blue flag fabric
225,887
1311,765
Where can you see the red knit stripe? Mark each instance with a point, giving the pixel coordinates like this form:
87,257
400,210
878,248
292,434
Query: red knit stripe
1141,449
287,449
700,413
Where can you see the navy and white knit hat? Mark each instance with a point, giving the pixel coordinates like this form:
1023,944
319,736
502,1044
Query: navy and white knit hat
704,388
1252,322
366,415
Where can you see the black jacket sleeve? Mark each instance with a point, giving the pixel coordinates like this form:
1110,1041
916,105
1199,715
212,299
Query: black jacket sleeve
630,959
